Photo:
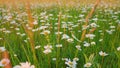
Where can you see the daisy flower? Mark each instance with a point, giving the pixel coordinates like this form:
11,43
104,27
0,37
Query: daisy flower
101,53
24,65
88,65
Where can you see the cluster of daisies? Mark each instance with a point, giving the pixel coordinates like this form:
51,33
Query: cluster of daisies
68,62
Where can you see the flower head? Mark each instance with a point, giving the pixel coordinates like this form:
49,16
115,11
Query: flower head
47,49
86,44
2,49
70,40
101,53
4,62
91,36
65,36
88,65
118,49
78,47
71,64
45,32
59,45
24,65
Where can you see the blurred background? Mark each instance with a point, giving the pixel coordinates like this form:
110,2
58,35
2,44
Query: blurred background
55,2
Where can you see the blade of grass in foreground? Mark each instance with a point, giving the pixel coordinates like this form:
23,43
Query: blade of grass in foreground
29,32
87,21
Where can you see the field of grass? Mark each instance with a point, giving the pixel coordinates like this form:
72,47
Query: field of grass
58,37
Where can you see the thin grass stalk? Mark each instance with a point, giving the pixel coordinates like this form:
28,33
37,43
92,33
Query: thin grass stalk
58,36
29,32
58,40
87,22
88,17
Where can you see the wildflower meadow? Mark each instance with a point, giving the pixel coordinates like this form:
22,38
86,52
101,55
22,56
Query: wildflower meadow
59,34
